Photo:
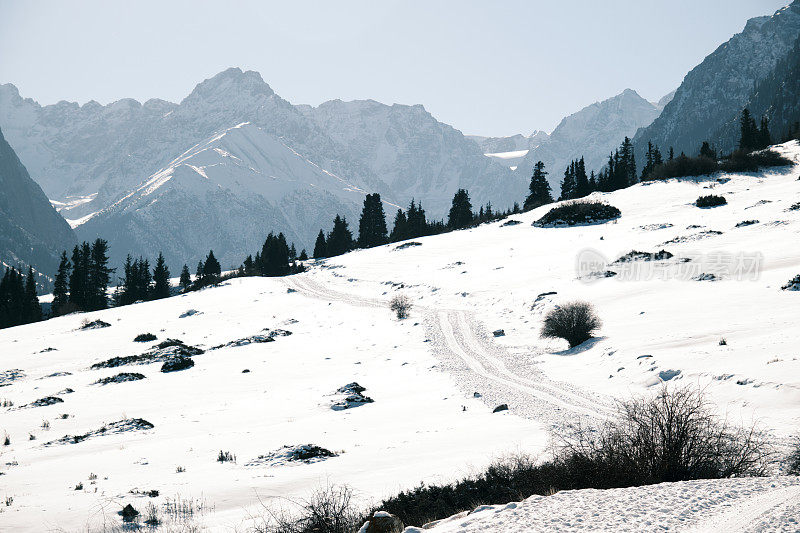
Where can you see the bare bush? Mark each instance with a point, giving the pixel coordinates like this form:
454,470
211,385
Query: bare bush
401,305
226,457
673,436
575,322
329,509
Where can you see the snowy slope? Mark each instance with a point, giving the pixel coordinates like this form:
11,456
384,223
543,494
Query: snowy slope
225,193
426,423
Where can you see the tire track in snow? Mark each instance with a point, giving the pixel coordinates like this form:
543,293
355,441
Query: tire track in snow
547,400
750,514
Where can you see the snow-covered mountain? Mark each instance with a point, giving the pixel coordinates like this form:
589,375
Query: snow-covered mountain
514,143
91,157
225,193
593,132
32,233
717,89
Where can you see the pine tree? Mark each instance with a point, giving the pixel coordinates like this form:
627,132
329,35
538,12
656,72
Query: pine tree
749,134
400,228
539,189
99,275
321,246
581,180
211,268
764,137
372,224
416,224
671,154
60,287
303,255
198,273
707,151
79,278
274,258
32,310
568,184
460,215
340,239
292,252
161,276
186,278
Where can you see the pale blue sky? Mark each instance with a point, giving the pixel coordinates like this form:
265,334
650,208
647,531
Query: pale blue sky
486,67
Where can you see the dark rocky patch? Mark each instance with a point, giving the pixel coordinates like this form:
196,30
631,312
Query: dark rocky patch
163,351
635,255
793,284
407,245
302,453
499,333
95,324
120,426
120,378
176,364
44,402
277,332
254,339
500,408
145,337
354,397
705,277
189,312
744,223
48,349
510,223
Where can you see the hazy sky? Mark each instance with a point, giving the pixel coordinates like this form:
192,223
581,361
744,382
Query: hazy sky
486,67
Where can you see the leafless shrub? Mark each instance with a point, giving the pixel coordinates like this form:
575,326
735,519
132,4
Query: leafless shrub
575,322
226,457
329,509
673,436
401,305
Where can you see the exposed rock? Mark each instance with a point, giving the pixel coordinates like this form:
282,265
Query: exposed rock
793,284
383,522
43,402
744,223
144,337
120,426
302,453
163,351
120,378
95,324
499,333
635,255
190,312
177,363
510,223
407,245
501,407
354,397
253,339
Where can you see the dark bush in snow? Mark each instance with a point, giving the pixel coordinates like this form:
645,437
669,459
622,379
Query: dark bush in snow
635,255
578,212
575,322
401,305
794,459
177,363
330,509
710,200
47,400
744,223
144,337
226,457
673,436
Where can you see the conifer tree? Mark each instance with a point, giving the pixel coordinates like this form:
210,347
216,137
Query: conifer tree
211,268
32,310
186,278
161,276
340,239
400,228
198,273
99,275
460,215
539,189
60,286
416,224
303,255
581,179
568,185
321,246
707,151
372,224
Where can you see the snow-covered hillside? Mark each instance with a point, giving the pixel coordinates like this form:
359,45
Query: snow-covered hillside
662,321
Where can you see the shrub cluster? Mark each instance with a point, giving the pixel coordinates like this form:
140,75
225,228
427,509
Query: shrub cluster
575,322
672,436
577,212
683,166
710,200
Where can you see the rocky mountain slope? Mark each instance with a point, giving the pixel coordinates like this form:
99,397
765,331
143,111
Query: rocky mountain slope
718,88
92,157
31,231
593,132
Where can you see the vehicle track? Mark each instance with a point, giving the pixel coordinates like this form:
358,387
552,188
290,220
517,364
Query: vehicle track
458,339
756,513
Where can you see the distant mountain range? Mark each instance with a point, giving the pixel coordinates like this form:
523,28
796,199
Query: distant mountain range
32,233
95,162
